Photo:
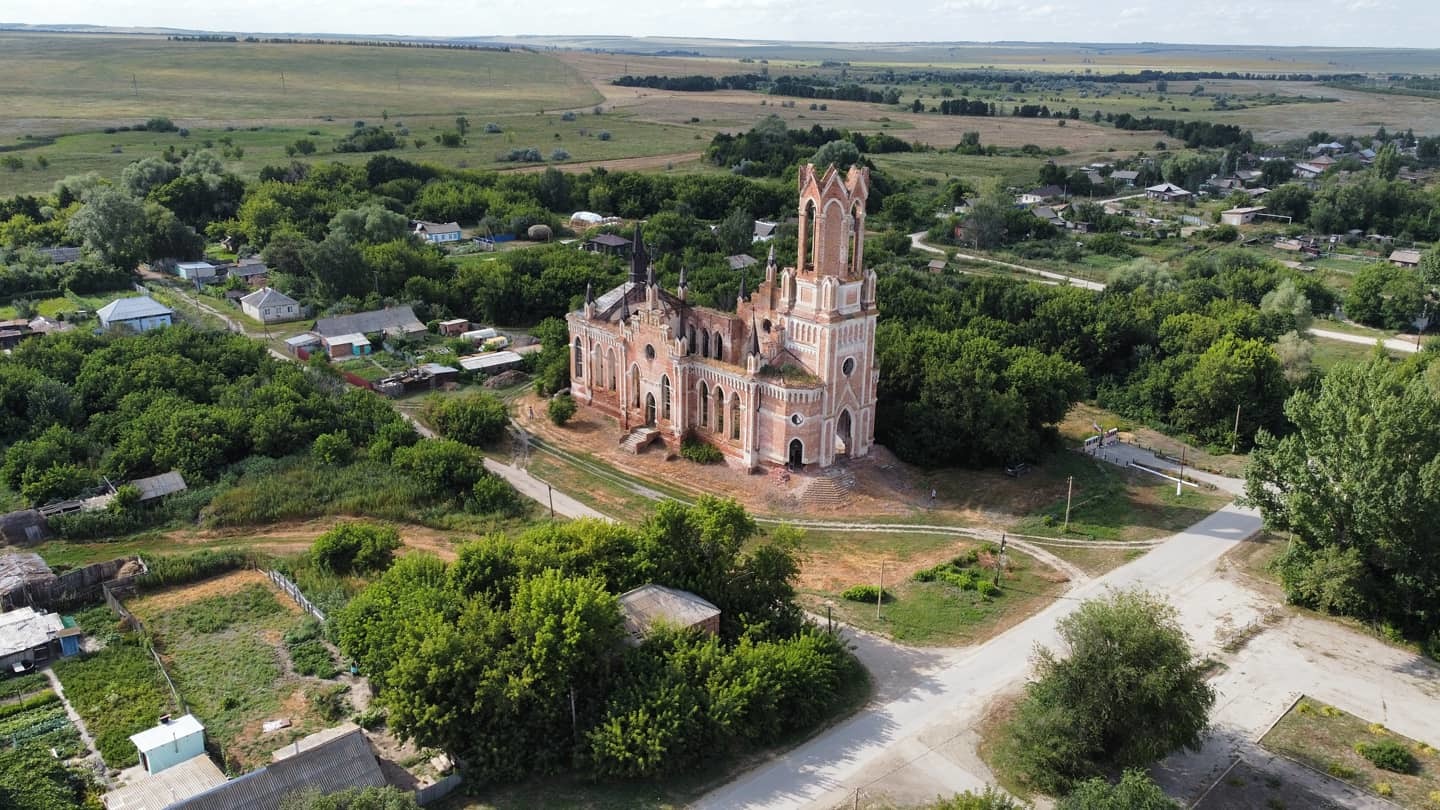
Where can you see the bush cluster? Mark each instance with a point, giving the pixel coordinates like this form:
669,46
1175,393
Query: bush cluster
1388,755
865,593
700,452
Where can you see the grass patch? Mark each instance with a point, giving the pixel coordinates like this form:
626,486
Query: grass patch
308,651
300,487
219,613
1342,745
117,691
1112,503
945,610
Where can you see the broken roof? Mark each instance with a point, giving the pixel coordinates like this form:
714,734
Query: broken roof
25,628
646,605
157,486
21,568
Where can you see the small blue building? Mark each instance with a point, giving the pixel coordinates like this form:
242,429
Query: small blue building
139,314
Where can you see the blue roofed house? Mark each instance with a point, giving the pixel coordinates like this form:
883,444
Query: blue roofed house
139,314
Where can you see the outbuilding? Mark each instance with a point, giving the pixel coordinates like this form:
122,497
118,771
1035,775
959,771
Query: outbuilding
1240,216
27,637
170,743
140,313
647,606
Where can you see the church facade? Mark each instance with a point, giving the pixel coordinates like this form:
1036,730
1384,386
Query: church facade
788,378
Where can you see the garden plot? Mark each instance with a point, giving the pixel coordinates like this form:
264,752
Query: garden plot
32,714
224,643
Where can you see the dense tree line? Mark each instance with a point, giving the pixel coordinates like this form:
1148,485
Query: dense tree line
979,369
512,657
1355,484
693,84
964,106
1195,134
815,87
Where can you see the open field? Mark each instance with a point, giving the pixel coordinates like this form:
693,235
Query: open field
1327,739
56,83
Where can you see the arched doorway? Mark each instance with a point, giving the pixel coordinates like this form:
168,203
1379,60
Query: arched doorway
665,397
797,454
649,410
842,434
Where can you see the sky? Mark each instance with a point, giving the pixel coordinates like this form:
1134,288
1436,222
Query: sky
1383,23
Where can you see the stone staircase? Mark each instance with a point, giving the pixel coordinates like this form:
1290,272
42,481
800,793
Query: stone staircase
831,490
638,439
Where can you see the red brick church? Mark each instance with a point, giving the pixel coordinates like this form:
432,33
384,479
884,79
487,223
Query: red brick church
789,378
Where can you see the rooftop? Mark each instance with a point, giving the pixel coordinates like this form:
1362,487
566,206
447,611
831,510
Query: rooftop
133,308
23,629
437,227
157,486
20,568
1411,256
646,605
175,784
488,360
267,297
331,766
381,320
166,733
610,240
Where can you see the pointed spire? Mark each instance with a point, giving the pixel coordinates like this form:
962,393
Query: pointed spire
589,294
683,285
740,299
770,262
650,276
639,259
754,337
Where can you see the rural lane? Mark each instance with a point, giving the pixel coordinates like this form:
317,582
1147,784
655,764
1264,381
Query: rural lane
915,242
917,737
1393,344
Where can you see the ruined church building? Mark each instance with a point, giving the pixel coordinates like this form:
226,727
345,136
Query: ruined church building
789,378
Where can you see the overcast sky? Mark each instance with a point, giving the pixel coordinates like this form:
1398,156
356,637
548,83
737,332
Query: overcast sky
1388,23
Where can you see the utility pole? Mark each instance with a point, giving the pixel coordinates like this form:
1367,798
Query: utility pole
879,597
134,86
282,81
1235,434
1069,491
549,490
1180,479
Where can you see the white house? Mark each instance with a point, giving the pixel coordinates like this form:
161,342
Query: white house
1240,216
270,306
438,232
140,313
1167,192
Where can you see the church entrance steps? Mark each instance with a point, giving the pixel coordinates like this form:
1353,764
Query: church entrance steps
831,490
638,439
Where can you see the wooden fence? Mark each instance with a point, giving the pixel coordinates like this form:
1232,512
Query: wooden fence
293,591
112,599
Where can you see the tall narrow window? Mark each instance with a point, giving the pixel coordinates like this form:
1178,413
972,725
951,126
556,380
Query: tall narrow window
735,416
665,397
579,360
719,411
704,405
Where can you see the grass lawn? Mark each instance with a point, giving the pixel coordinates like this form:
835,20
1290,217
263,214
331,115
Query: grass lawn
221,640
1328,353
1326,738
941,613
1112,503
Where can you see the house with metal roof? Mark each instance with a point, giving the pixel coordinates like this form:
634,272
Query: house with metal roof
437,232
27,637
647,606
140,313
608,243
394,321
195,271
491,362
337,764
1167,192
1405,258
161,790
268,305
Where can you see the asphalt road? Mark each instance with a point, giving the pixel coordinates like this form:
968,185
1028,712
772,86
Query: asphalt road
916,739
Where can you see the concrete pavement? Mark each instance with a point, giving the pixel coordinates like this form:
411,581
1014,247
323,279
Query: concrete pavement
916,740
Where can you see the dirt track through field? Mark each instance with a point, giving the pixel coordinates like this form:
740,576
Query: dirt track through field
634,164
296,536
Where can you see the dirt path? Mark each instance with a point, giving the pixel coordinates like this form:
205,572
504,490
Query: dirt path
295,536
92,755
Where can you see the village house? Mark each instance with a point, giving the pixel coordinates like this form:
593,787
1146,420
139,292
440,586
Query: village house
251,271
270,306
454,327
607,243
195,271
1167,192
788,378
764,231
1124,177
1040,195
28,637
437,232
139,314
1405,258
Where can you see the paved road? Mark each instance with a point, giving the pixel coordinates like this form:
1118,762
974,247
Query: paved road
916,739
1405,345
1061,278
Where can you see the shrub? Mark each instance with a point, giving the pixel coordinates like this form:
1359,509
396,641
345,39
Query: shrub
160,124
355,547
493,129
333,448
329,701
700,452
1340,771
494,495
561,408
1384,789
308,651
179,569
559,154
865,593
1222,233
1388,755
567,116
475,419
603,135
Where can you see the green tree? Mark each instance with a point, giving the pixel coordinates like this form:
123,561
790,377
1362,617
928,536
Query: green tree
477,419
1356,482
355,548
1288,302
1130,692
112,224
1387,162
1135,791
560,409
736,232
1385,296
842,154
985,221
989,799
444,466
1231,373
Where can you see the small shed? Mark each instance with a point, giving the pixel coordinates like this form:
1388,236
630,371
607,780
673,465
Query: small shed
27,637
608,243
1405,258
158,486
491,362
170,743
454,327
649,605
20,571
1240,216
936,265
195,271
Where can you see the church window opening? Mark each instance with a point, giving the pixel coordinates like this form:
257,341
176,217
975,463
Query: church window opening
704,405
665,397
579,360
848,367
719,411
649,352
735,417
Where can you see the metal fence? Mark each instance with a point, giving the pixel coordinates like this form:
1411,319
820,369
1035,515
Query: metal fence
293,591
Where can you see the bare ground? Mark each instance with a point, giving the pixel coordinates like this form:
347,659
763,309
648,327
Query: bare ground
292,536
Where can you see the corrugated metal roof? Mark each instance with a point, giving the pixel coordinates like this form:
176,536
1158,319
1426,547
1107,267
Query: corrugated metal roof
174,784
381,320
160,485
25,628
20,568
267,297
339,764
129,309
489,360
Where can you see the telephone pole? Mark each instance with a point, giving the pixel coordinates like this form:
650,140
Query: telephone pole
1235,434
1180,479
1069,492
